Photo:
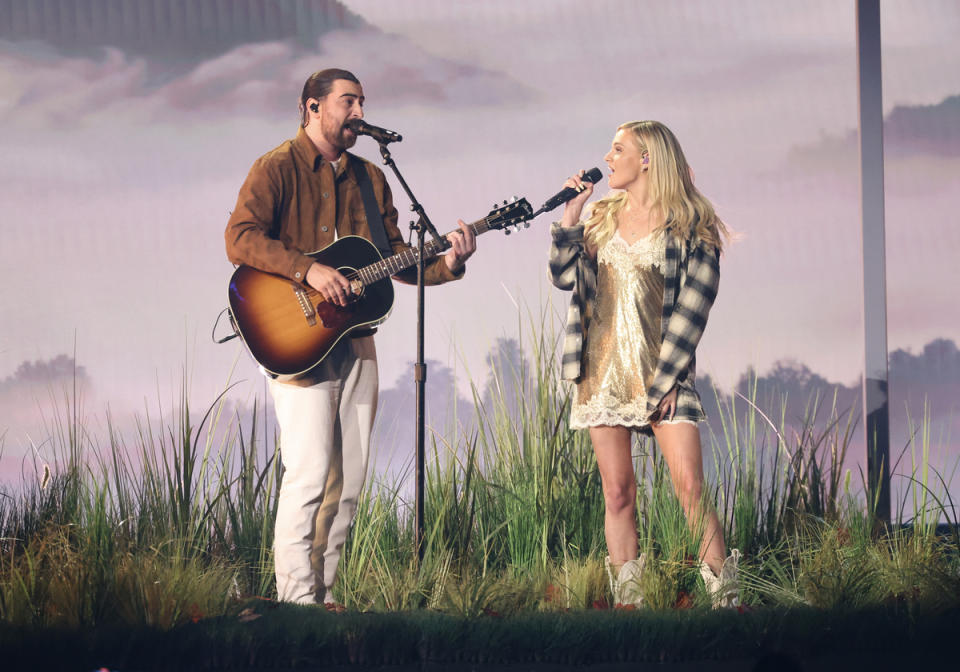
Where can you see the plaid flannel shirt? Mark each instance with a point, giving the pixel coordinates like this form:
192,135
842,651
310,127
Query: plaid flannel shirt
691,279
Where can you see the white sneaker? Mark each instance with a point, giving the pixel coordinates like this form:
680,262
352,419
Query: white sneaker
724,589
626,586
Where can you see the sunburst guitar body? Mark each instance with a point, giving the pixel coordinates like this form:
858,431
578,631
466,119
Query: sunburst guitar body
289,328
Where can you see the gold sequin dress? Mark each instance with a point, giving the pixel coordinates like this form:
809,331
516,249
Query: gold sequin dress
623,337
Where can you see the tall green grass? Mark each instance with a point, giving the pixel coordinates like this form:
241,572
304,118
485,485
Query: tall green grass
175,521
161,531
519,497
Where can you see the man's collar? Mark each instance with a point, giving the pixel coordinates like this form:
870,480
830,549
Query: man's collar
308,151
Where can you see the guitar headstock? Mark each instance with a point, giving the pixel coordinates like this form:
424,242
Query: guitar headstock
514,212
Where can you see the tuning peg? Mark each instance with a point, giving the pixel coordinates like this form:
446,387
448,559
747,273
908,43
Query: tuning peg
513,200
507,231
526,225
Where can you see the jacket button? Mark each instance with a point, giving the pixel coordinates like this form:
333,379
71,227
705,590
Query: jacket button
326,195
323,228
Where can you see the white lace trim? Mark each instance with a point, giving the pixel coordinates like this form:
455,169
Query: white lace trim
649,251
605,409
678,421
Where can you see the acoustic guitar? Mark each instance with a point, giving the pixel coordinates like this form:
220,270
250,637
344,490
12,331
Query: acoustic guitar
289,328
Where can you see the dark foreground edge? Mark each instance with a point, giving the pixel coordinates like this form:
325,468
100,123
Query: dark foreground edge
279,637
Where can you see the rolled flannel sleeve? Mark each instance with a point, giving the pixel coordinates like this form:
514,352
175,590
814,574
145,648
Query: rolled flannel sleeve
565,252
687,322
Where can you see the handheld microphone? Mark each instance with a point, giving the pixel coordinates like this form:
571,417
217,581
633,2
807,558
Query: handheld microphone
381,135
593,175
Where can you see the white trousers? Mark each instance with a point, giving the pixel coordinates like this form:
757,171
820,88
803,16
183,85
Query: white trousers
324,447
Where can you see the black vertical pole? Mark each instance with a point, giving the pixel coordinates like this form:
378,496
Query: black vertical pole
875,393
423,226
420,375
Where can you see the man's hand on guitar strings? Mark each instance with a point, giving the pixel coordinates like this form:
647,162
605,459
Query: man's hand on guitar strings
463,243
332,285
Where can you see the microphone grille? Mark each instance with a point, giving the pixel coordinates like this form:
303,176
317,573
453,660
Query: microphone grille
593,176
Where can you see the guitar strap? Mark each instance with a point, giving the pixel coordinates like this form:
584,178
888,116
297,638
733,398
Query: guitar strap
378,233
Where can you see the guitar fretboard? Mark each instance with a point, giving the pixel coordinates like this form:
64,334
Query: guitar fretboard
398,262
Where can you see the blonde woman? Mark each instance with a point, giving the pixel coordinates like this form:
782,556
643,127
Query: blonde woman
644,269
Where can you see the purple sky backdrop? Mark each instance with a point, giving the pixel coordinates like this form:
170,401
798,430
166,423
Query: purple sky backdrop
117,184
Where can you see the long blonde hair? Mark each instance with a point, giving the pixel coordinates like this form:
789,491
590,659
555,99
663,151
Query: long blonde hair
684,211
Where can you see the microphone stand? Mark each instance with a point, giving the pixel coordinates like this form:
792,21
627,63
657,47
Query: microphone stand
422,226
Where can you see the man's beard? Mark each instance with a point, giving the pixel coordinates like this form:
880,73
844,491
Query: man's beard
341,137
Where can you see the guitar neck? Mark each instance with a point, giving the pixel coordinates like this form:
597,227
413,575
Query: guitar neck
394,264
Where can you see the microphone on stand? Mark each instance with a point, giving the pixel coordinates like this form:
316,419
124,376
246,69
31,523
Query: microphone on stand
593,176
381,135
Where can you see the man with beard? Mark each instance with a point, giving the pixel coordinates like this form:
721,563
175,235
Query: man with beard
299,198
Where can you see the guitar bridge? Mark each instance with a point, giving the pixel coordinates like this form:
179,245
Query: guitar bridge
306,305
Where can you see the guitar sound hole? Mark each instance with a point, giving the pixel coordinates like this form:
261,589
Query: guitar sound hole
356,289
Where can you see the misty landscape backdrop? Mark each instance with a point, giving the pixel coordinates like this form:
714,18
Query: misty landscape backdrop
127,129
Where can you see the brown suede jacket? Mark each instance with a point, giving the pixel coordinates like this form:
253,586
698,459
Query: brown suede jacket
292,203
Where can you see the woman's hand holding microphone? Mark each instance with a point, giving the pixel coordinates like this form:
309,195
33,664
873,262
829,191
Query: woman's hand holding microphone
573,208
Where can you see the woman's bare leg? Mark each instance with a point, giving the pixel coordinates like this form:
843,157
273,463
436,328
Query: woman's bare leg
680,445
612,447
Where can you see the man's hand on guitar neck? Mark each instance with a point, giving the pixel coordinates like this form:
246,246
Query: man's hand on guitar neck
463,243
335,288
330,282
